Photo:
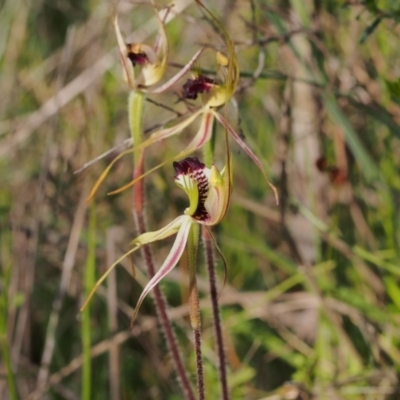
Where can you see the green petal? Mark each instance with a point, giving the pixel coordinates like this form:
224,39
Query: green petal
162,233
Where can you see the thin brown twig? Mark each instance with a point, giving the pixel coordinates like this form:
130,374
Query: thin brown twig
68,264
69,259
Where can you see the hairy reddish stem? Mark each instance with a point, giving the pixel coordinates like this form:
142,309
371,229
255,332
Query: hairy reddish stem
210,262
199,364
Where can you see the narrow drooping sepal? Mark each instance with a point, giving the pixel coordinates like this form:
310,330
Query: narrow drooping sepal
171,260
129,72
141,240
247,150
203,135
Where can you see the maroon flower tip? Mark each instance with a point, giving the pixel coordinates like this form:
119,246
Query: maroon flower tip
136,57
337,176
193,87
187,165
321,164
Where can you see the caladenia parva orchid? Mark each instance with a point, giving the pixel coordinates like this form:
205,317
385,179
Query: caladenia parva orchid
209,193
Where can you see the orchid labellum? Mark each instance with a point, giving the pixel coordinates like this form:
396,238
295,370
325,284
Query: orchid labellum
209,194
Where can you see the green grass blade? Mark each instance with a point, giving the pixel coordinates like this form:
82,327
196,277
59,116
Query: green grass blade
89,281
5,348
364,160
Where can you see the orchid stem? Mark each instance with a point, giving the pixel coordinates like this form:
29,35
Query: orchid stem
208,150
194,306
135,109
208,154
199,364
210,261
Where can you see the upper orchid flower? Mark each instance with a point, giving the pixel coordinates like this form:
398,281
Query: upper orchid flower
214,94
209,194
151,61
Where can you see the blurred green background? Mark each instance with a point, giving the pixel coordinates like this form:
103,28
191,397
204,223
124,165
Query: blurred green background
311,308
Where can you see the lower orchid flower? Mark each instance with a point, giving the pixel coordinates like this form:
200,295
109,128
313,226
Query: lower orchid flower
209,195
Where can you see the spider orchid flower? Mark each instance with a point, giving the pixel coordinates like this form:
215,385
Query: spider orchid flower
214,94
209,195
150,61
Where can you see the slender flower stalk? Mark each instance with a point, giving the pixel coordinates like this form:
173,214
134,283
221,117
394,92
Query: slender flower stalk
135,108
210,263
208,153
194,306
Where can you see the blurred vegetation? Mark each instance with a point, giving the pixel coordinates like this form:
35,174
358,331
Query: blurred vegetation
311,308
